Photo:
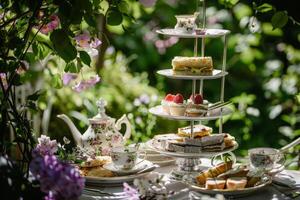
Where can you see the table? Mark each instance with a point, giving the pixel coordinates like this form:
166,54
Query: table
269,193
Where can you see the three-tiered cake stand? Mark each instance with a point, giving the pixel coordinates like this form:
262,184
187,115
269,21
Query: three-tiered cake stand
190,162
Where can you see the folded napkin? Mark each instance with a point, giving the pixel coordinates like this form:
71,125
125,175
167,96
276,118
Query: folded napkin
287,179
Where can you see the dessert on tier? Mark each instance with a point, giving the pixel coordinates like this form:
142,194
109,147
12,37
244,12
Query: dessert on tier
202,140
202,66
226,177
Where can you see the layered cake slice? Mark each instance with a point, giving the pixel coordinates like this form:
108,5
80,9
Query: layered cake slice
192,66
198,130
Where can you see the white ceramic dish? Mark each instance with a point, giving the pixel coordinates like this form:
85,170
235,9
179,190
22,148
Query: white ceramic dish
213,114
208,33
169,73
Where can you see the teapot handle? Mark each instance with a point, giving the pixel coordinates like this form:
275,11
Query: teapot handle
124,120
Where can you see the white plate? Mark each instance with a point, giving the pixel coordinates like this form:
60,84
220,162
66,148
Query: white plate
189,155
169,73
209,33
117,180
213,114
238,192
141,164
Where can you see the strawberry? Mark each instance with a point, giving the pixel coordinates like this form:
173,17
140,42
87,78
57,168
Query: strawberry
178,99
198,99
169,97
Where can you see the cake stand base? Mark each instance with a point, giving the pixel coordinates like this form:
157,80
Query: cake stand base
186,167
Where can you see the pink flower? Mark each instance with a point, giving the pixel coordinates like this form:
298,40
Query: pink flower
68,77
24,66
105,151
147,3
4,80
95,43
85,84
83,39
53,24
116,139
130,192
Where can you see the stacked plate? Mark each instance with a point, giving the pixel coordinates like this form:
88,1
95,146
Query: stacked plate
155,157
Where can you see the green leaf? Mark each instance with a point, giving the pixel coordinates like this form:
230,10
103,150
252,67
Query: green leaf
279,19
71,67
85,58
264,8
34,96
79,64
62,45
56,81
114,17
123,7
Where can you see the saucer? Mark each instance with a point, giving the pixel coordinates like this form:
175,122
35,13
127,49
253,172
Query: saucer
141,164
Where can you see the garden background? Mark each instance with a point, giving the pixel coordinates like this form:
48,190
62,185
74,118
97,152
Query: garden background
263,81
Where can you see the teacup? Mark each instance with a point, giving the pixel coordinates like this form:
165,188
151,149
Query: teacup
266,158
185,23
124,158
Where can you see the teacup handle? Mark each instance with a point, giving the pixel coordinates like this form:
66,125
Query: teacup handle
280,160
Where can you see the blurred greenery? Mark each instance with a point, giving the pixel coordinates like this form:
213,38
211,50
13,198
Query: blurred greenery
263,80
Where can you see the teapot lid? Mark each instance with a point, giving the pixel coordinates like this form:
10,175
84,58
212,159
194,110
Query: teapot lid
101,117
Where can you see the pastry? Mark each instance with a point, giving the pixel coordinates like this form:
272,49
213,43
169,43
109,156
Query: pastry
215,183
177,106
96,172
213,172
236,183
166,102
192,65
196,106
98,161
198,130
240,171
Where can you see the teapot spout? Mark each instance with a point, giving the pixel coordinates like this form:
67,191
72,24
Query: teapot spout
76,134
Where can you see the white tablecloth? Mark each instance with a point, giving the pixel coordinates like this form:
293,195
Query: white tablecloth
269,193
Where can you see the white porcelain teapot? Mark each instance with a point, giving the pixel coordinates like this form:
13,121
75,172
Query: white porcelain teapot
103,132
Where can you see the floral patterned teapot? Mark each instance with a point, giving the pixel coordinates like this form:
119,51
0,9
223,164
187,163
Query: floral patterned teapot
103,132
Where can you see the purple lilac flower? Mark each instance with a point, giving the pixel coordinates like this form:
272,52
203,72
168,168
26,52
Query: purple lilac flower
58,179
83,39
4,80
46,146
130,192
85,84
68,77
95,43
147,3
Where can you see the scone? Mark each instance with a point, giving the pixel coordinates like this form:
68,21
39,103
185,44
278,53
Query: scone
98,161
236,183
97,172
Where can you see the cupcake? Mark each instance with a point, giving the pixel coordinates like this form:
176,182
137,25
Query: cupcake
177,106
166,102
196,106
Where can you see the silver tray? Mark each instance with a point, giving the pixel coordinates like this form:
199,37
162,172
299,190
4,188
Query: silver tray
189,155
212,115
212,33
169,73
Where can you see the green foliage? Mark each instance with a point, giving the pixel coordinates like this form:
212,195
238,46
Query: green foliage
62,45
85,57
279,19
